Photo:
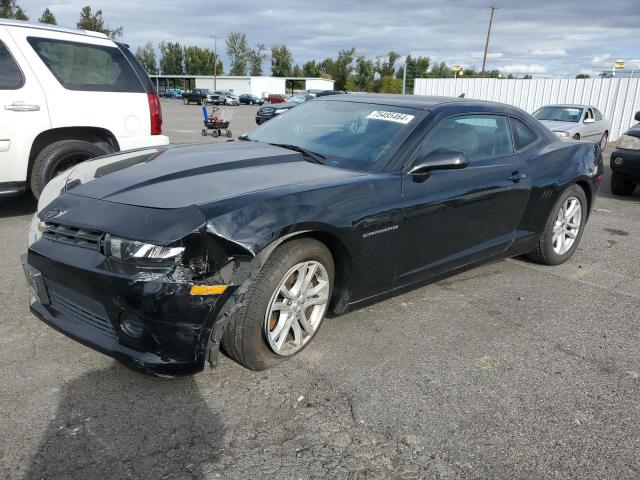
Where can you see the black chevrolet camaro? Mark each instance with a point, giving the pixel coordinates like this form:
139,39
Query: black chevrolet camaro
159,257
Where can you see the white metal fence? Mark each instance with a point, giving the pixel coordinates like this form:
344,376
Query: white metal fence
617,98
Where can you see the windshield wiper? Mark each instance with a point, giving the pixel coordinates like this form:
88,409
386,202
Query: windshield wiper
315,157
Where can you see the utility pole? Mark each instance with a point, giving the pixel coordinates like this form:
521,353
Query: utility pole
486,45
404,76
215,63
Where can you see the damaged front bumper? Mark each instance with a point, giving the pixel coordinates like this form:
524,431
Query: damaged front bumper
149,321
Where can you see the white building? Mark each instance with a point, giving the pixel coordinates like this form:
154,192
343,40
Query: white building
260,86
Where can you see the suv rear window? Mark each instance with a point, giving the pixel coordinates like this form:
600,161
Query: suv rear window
86,67
10,74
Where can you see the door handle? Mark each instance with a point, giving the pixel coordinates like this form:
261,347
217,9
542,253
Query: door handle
517,176
5,143
22,107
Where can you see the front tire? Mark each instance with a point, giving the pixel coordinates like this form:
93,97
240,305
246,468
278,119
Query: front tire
621,185
284,306
563,229
57,157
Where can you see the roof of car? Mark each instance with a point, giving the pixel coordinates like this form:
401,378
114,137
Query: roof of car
421,102
569,105
55,28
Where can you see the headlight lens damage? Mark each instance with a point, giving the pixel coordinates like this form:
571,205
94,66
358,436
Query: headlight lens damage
132,250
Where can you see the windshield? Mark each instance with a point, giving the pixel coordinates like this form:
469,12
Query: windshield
299,98
350,135
559,114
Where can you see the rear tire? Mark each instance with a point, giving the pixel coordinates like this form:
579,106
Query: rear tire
621,185
576,136
57,157
245,338
559,228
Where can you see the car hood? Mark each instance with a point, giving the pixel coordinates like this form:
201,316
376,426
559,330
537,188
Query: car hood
634,131
176,177
559,126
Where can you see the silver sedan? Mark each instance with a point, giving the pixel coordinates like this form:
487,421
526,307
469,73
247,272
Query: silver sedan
577,122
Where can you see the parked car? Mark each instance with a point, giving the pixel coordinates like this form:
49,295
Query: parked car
276,98
172,93
577,122
625,161
268,112
338,204
226,98
248,99
68,95
201,96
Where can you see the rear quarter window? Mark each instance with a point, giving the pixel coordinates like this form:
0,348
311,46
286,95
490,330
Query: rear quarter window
86,67
523,136
10,75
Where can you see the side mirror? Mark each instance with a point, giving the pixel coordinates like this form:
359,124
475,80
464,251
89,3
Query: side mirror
637,117
589,120
439,159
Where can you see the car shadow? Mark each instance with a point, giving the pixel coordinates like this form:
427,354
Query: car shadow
24,204
116,424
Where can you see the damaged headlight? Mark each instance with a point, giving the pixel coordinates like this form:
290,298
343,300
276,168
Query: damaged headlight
132,250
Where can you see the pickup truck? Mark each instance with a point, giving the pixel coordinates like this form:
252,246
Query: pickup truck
199,95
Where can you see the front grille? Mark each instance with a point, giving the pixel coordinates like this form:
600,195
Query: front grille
70,309
72,236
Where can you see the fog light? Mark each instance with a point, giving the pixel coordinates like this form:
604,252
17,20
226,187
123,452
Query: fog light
131,325
618,161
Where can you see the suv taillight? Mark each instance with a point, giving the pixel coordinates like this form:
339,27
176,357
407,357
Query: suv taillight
155,113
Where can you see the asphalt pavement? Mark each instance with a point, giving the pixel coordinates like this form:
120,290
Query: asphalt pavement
509,371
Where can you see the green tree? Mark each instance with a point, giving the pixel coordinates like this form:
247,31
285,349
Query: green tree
343,67
238,52
326,68
255,58
147,57
95,23
48,17
440,70
199,61
385,66
390,84
11,9
281,61
171,58
311,69
583,76
364,78
416,68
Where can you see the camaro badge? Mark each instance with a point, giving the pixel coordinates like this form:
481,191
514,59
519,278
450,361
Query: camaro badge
382,230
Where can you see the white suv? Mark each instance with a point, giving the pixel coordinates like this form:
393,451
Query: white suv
66,96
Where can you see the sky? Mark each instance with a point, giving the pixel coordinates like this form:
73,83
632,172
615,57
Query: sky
545,38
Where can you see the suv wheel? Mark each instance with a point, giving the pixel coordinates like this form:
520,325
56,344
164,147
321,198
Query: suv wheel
621,185
58,157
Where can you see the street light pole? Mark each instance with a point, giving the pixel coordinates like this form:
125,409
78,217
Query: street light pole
215,63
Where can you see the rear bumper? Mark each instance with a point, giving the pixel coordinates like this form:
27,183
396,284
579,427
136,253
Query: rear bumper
75,294
629,165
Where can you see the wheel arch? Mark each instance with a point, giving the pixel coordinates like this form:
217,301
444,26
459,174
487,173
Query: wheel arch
101,137
342,259
584,185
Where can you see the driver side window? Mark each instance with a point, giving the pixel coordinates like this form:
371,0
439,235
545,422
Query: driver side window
477,136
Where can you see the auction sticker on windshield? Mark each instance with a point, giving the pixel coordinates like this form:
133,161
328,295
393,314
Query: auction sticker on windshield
391,116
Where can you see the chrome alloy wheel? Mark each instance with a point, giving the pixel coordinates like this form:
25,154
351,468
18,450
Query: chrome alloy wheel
567,225
297,307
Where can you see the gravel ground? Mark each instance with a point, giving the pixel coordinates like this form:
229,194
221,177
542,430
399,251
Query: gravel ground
510,371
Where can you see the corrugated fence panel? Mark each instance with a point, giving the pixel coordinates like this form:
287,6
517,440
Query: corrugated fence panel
617,98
